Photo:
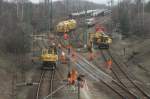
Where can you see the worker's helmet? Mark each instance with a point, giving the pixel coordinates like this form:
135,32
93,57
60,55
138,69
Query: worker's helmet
59,45
53,44
63,53
74,70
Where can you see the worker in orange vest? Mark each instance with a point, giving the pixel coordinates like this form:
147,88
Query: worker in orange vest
66,36
63,58
73,55
109,64
91,56
72,76
69,78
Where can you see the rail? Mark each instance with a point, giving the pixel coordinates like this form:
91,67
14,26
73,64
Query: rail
96,74
41,82
122,76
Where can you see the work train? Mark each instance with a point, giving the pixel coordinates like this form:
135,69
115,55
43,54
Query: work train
99,39
102,40
49,57
66,26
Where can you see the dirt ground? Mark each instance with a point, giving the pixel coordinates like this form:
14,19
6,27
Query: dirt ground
6,67
134,51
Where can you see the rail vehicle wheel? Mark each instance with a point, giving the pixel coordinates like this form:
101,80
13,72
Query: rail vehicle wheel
43,65
47,66
53,66
103,46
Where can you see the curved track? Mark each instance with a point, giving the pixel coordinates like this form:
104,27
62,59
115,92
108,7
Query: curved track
123,78
40,84
44,81
122,89
112,84
100,76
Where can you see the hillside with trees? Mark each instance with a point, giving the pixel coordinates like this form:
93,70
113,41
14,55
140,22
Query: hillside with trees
20,18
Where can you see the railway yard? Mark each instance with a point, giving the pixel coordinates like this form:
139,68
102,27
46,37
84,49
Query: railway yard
83,56
117,82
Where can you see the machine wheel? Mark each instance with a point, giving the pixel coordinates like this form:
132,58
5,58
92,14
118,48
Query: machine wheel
103,46
107,46
48,66
53,66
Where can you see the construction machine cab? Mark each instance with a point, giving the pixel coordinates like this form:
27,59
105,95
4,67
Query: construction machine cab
104,42
49,58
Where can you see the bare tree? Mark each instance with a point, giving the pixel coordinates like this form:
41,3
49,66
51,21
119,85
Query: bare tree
1,1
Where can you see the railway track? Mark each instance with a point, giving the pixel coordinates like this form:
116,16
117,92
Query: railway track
124,79
46,79
51,82
99,76
121,91
45,88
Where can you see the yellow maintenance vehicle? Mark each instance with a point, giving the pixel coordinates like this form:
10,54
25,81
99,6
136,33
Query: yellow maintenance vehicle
100,39
66,26
49,58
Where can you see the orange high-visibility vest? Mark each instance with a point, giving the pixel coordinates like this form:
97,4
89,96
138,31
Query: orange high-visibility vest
74,74
66,36
91,56
109,62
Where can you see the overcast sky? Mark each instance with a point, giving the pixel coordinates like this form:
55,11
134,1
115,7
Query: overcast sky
96,1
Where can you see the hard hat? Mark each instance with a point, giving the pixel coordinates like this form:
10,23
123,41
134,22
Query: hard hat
53,44
59,45
63,53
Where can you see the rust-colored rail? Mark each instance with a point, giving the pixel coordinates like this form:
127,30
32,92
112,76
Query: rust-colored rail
40,84
124,79
113,85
